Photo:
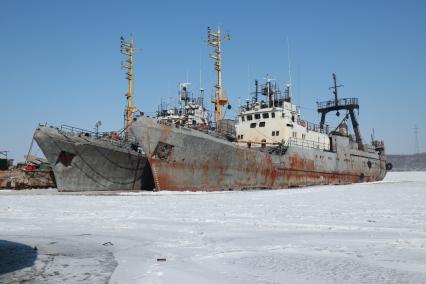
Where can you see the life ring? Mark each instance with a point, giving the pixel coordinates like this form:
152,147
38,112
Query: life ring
389,166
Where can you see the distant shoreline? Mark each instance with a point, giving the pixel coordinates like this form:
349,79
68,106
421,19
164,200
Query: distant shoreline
412,162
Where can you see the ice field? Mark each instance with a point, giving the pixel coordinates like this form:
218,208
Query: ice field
360,233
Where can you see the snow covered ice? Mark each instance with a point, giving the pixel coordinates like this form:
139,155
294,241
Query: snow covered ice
360,233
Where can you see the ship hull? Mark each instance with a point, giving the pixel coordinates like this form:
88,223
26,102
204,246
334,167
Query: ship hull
186,159
81,163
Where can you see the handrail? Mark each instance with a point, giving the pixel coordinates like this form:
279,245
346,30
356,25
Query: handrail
307,143
291,142
340,102
81,130
313,126
128,143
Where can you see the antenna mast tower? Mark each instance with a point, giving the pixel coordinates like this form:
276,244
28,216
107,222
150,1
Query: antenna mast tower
334,88
416,140
215,39
128,49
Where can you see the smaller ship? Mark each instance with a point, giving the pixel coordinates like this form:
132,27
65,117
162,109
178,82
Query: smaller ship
84,160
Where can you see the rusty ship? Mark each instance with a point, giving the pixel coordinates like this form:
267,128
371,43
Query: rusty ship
268,146
85,160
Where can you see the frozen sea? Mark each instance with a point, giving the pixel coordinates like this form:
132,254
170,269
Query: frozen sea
360,233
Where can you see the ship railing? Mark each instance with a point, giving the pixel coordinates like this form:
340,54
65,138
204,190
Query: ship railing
114,138
74,129
281,147
313,126
340,102
307,144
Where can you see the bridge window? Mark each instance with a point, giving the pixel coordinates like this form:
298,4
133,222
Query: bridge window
262,124
257,116
265,115
249,117
253,125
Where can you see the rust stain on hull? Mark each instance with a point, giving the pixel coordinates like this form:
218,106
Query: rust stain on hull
188,160
183,177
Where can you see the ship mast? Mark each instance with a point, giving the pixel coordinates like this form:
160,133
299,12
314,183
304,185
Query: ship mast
349,104
127,48
215,39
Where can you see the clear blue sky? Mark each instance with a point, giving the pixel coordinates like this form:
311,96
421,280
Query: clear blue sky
60,60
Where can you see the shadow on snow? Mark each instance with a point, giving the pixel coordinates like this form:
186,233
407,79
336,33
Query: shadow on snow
15,256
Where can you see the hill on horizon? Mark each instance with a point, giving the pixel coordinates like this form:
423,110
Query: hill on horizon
413,162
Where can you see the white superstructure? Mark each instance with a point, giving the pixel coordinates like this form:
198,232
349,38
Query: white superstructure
277,121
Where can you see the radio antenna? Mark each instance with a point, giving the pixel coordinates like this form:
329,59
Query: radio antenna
416,140
289,69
